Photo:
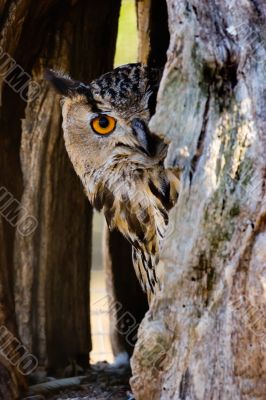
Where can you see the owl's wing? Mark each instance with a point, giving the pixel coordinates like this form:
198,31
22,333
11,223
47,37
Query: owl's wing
146,253
146,274
143,219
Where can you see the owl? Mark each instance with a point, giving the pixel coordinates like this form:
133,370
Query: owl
119,161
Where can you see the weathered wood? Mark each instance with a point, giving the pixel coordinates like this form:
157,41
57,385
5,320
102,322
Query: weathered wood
204,337
11,112
152,31
54,262
49,269
11,382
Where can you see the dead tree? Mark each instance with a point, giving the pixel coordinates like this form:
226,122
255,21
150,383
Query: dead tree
204,336
45,271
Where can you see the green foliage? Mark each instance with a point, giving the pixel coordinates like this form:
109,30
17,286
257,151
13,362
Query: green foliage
127,40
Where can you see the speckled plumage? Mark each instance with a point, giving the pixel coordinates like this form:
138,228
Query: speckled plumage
123,172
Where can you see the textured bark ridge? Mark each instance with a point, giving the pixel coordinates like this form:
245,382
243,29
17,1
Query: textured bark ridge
52,265
205,334
44,276
12,383
153,32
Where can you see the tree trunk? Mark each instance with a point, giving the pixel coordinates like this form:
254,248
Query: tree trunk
204,336
12,383
153,33
48,259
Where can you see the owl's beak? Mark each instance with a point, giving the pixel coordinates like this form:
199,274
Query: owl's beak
149,143
143,135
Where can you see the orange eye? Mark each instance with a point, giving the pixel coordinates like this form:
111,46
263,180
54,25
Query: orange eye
103,125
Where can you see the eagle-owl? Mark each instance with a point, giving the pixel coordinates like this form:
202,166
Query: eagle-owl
119,161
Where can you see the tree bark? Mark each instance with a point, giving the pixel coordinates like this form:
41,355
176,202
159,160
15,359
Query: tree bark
49,267
153,32
60,324
12,383
204,336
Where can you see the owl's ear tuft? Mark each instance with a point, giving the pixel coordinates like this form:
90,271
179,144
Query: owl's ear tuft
63,84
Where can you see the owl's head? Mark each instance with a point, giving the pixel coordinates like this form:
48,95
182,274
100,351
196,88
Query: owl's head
106,120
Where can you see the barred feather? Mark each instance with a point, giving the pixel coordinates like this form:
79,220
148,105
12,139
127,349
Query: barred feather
138,208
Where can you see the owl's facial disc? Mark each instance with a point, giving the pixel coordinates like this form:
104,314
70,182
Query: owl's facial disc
110,114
